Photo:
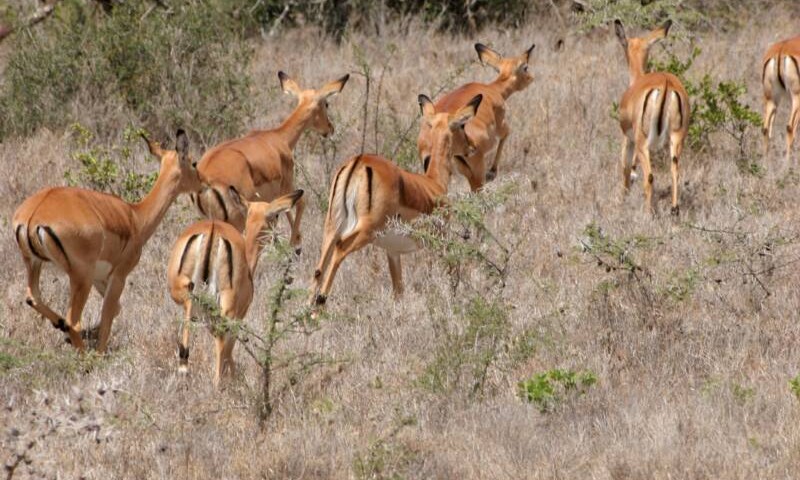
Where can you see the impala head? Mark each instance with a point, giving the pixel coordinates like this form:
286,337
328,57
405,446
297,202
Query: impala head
513,71
176,166
314,102
262,215
443,134
637,48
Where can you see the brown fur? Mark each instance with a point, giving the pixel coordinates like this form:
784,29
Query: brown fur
779,82
260,165
638,113
369,190
489,128
227,260
77,229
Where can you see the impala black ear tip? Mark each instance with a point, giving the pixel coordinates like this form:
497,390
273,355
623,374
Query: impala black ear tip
282,75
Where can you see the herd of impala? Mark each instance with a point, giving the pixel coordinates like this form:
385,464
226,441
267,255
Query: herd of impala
243,185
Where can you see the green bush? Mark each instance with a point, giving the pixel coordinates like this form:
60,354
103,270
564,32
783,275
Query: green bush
716,106
546,390
183,66
636,13
108,169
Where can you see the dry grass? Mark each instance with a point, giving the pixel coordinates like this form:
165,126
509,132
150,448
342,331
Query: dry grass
689,386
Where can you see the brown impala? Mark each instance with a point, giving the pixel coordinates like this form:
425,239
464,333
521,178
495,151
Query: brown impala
96,238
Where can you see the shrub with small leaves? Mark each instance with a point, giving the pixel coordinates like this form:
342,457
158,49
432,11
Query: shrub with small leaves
546,390
108,169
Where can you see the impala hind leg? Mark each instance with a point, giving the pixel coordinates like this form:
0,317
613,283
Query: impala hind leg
79,293
675,149
396,272
224,341
770,108
643,154
353,242
626,164
791,128
34,295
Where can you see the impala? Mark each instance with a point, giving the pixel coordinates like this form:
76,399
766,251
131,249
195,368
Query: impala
489,128
96,238
654,109
780,76
214,255
260,166
369,190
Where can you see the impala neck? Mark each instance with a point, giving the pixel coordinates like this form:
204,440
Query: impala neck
439,169
296,123
636,65
151,209
504,84
253,246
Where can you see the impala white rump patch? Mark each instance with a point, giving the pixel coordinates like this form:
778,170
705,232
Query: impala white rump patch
351,217
197,275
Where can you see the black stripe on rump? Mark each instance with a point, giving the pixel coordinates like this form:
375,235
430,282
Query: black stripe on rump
369,188
221,203
207,256
57,241
644,105
186,250
229,252
347,181
32,248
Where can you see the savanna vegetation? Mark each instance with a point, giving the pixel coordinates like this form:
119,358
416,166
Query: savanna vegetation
549,329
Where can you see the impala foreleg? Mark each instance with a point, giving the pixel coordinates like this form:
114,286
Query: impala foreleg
111,308
492,173
396,272
34,296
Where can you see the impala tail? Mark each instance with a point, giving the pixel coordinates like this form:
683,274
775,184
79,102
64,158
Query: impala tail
221,202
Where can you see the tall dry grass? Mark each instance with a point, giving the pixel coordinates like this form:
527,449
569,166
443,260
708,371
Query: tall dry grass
693,358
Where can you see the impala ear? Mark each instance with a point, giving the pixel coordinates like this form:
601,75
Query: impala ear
288,85
332,88
620,31
466,113
660,32
182,145
488,56
282,204
528,53
426,105
153,146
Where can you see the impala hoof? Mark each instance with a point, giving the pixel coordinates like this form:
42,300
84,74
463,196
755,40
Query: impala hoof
62,325
491,175
320,300
298,250
675,211
29,301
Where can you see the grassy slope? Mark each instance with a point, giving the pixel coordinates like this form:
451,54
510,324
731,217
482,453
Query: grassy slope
687,388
